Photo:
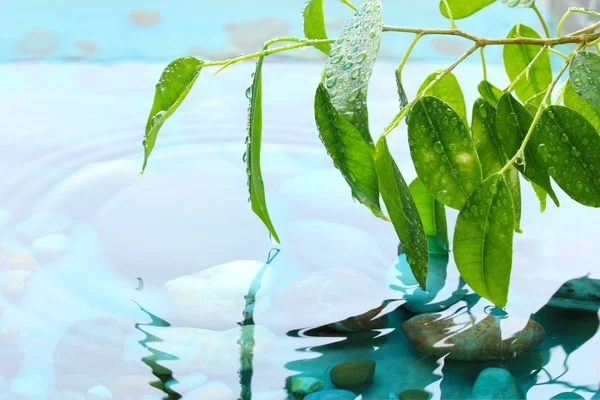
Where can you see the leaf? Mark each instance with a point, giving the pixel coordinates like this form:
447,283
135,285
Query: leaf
351,63
513,122
447,89
570,148
174,84
433,216
577,103
443,152
490,93
584,73
541,195
518,3
256,185
464,8
483,240
518,56
491,152
401,92
349,151
314,24
403,212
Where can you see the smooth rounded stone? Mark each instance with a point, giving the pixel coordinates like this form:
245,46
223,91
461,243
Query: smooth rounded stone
414,394
363,322
204,221
463,338
306,384
353,374
100,392
317,245
497,384
91,347
567,396
211,352
50,247
15,283
215,298
5,218
331,394
42,224
327,296
442,281
215,390
582,294
33,387
70,395
21,260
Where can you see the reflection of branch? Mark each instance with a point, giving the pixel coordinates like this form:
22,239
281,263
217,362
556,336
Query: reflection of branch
556,380
246,341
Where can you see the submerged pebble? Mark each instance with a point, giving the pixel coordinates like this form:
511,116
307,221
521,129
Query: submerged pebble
331,394
414,394
100,392
582,294
469,340
50,247
42,224
15,283
497,384
353,374
21,260
306,384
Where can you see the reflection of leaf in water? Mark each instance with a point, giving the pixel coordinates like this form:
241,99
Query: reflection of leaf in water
164,374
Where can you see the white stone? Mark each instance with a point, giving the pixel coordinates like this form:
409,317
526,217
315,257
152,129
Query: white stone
215,390
32,387
15,283
214,298
50,247
100,392
42,224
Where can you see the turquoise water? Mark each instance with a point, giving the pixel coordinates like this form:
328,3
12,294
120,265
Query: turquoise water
136,289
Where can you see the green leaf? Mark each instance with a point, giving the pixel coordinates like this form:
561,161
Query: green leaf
483,240
401,92
577,103
541,194
433,215
174,84
490,93
518,56
513,122
447,89
570,148
491,152
351,63
585,75
403,212
256,185
518,3
349,151
443,152
464,8
314,24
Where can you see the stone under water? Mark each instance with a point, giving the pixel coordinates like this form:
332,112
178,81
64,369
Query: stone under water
497,384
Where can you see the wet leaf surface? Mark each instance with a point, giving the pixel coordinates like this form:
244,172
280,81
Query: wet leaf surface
447,89
314,24
577,103
584,74
489,92
462,9
433,216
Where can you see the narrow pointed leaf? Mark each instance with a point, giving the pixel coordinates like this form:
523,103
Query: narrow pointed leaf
433,216
314,24
584,74
443,152
483,240
403,212
401,92
570,148
577,103
447,89
542,196
351,155
518,56
490,93
351,63
174,84
491,152
464,8
513,122
256,185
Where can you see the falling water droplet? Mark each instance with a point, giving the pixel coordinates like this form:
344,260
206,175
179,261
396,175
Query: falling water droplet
520,160
140,285
140,176
273,240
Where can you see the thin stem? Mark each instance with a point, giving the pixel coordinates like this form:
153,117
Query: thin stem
352,6
589,29
407,54
537,117
542,20
559,53
561,94
396,121
303,43
597,48
585,37
526,70
450,17
535,96
594,43
483,64
571,11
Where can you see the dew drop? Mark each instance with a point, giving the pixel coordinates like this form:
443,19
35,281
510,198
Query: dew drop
361,57
249,93
438,148
331,82
336,59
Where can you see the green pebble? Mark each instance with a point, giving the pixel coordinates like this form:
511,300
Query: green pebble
414,394
353,374
306,385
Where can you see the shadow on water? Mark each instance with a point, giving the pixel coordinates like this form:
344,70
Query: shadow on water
165,375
